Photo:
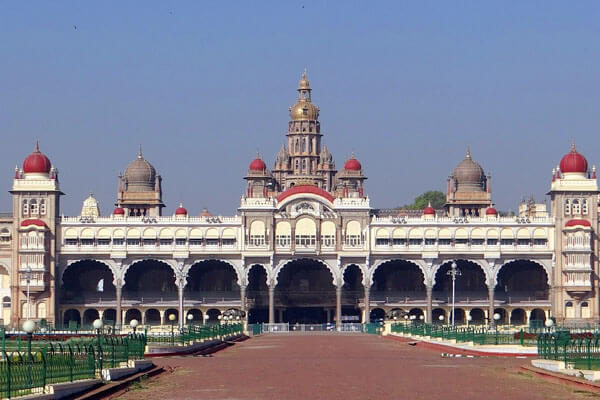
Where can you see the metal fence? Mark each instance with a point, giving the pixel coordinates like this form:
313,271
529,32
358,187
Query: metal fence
24,372
372,328
195,333
577,350
477,335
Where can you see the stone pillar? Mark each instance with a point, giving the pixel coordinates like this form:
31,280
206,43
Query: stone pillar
181,311
272,304
338,306
491,305
429,290
367,301
119,288
243,298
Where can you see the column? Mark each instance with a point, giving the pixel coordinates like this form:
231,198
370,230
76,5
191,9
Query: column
119,288
367,300
491,304
181,311
272,304
243,297
429,291
338,306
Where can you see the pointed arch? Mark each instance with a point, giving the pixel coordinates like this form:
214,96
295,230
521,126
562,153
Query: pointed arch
283,263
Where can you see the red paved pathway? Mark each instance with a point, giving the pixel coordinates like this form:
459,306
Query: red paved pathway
344,367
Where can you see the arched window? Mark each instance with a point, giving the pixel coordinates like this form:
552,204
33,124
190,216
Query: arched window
41,310
567,207
25,207
584,207
33,207
569,310
304,145
585,310
575,208
42,207
303,165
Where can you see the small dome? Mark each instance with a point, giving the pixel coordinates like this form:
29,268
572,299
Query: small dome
573,162
257,165
205,213
469,175
140,175
352,164
429,210
304,111
181,210
491,211
37,163
118,211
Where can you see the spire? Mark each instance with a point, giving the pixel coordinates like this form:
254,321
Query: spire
140,153
37,146
573,146
468,156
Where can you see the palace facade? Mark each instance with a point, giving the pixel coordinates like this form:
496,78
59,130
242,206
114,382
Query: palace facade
305,246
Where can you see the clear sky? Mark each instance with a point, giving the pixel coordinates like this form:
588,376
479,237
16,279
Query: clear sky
203,84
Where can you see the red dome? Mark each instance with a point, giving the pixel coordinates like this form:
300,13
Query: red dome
36,163
573,162
491,211
205,213
352,164
181,210
429,210
578,222
118,211
257,165
36,222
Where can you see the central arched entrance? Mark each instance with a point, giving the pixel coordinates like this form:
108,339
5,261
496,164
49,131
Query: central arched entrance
305,293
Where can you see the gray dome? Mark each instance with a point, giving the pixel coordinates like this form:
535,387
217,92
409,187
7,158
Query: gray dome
469,175
140,175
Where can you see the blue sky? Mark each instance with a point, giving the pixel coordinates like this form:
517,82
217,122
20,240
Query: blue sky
204,85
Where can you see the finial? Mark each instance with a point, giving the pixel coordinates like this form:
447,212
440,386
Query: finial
304,73
468,156
573,145
140,152
180,205
37,146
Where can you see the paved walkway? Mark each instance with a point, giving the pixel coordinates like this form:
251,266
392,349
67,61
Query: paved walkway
343,367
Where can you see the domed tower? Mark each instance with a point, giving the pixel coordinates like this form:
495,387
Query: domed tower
140,191
469,190
260,180
574,206
36,209
90,207
350,180
303,145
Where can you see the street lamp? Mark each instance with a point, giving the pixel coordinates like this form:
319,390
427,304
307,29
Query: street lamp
29,327
134,323
421,317
453,272
190,318
441,318
206,317
97,324
496,319
28,275
549,324
172,318
469,319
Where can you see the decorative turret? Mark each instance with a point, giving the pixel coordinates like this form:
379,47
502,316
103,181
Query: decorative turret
469,190
350,180
140,189
260,180
90,207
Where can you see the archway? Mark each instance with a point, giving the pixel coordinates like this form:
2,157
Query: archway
522,281
305,293
460,317
133,313
212,279
170,320
502,313
417,313
89,316
469,285
436,314
213,315
377,314
538,315
352,293
197,317
150,281
398,281
152,316
109,316
477,316
87,281
257,295
71,316
517,317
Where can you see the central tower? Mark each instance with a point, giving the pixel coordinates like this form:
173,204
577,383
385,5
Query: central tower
303,162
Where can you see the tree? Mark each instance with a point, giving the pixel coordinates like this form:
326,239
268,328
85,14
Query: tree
435,197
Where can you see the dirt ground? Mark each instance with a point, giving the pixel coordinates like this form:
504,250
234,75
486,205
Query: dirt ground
343,367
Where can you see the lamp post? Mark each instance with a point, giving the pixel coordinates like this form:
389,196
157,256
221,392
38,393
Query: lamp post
28,280
98,327
496,319
134,324
29,327
190,318
549,324
206,317
453,272
172,318
421,318
441,318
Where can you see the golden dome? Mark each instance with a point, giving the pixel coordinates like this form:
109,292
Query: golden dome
304,109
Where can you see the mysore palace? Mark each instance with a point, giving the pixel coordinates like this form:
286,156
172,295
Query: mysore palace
305,246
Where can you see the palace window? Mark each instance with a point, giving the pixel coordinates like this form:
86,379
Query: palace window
328,240
33,207
257,240
415,242
382,242
492,242
25,207
228,242
283,240
568,207
429,242
133,242
42,207
180,242
506,242
305,240
103,242
399,242
118,241
444,242
195,242
149,242
87,242
523,242
461,241
584,207
540,242
212,242
575,208
477,242
71,242
166,242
